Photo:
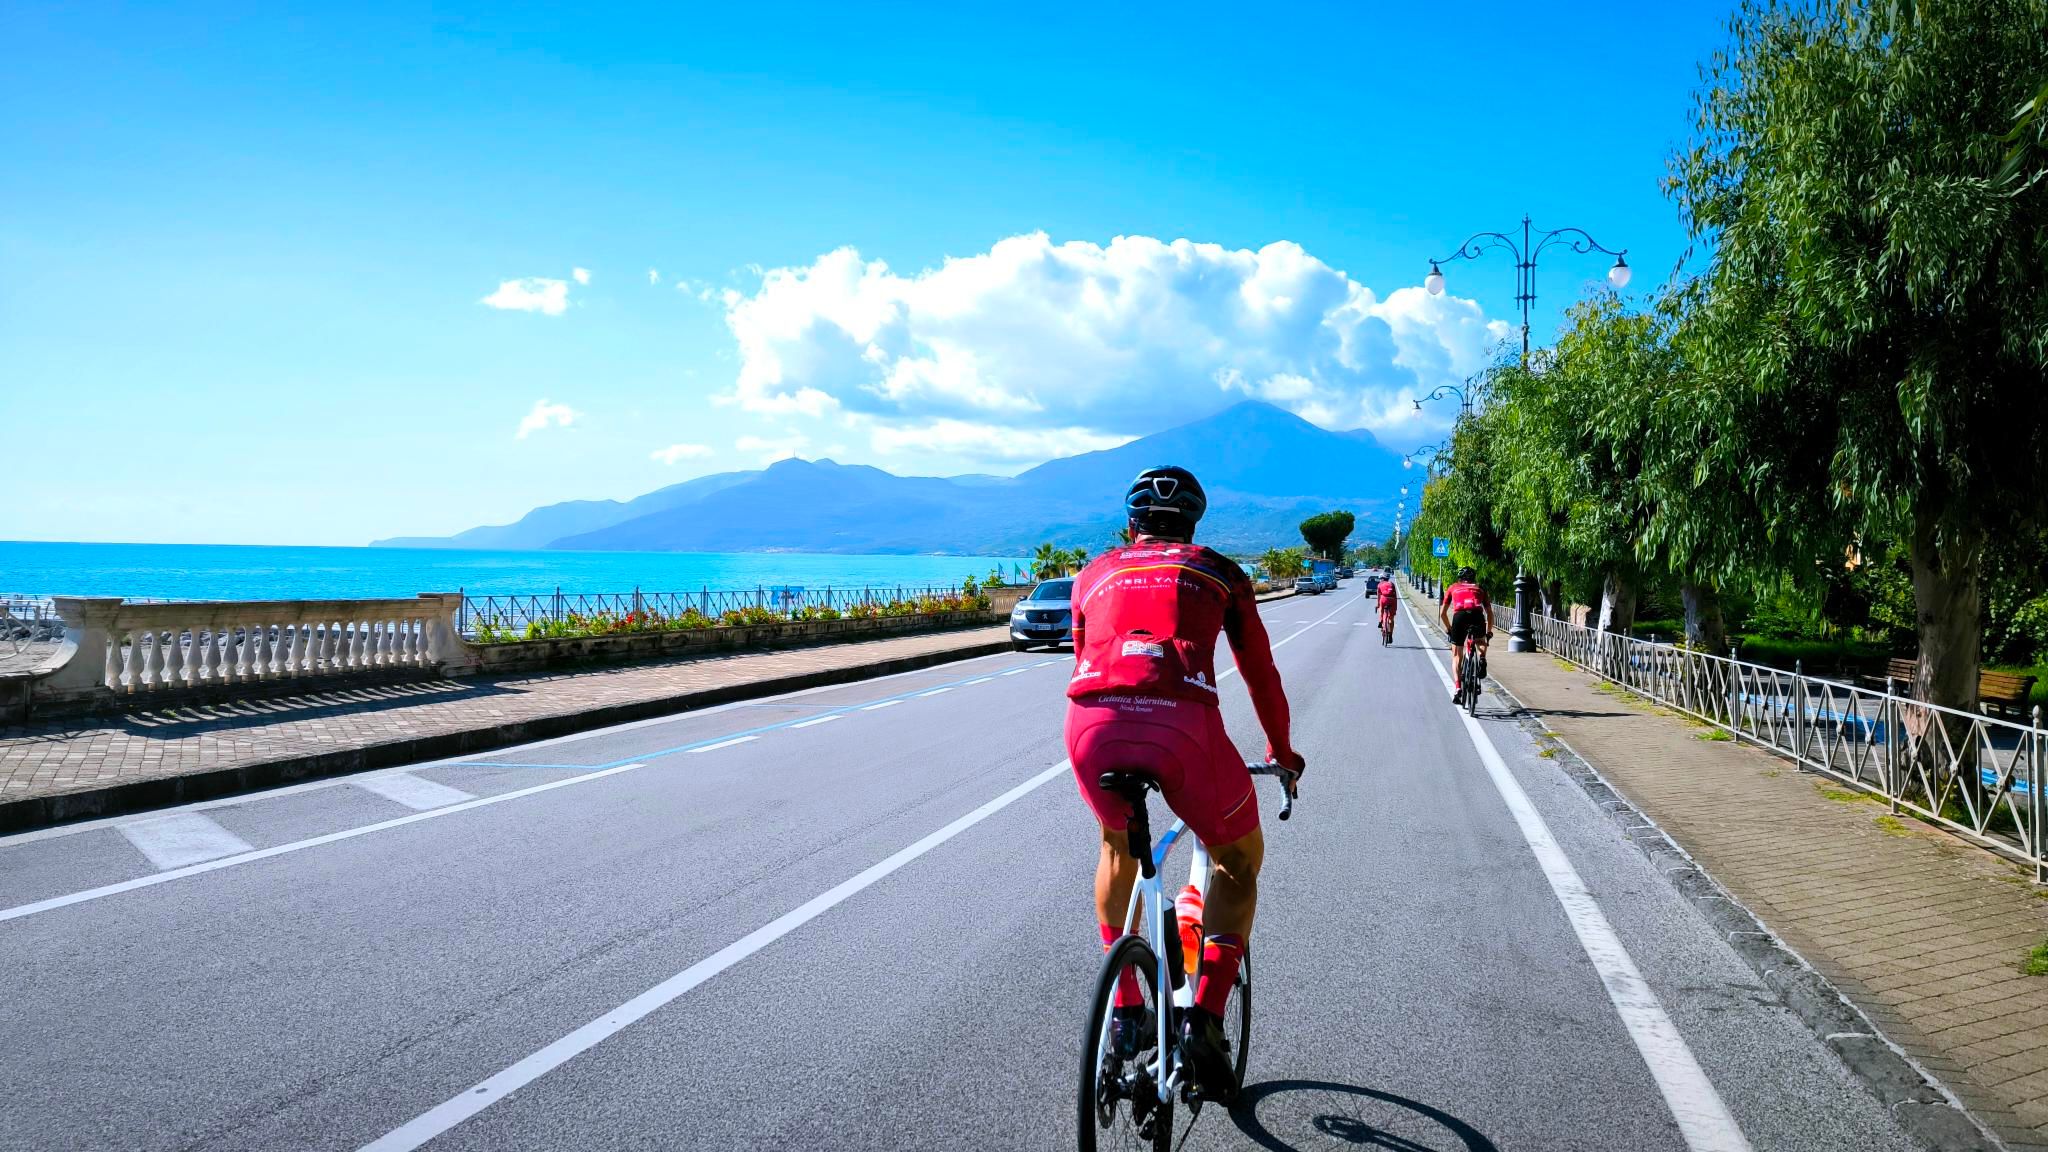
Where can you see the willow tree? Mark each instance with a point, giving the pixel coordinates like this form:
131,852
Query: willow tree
1570,452
1877,207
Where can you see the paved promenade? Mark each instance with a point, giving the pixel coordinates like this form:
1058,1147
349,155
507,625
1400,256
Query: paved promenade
1925,933
69,766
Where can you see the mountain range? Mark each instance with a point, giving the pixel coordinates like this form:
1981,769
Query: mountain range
1265,470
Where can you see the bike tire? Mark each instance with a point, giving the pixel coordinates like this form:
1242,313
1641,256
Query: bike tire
1124,1129
1471,678
1240,1009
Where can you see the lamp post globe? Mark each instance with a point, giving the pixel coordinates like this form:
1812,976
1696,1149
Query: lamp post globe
1434,282
1620,273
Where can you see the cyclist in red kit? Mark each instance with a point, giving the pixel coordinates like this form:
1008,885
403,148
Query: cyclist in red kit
1143,698
1389,596
1465,613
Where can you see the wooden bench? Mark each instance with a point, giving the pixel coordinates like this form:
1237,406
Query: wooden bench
2006,691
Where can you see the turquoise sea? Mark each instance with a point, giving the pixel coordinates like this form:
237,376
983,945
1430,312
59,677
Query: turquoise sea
261,572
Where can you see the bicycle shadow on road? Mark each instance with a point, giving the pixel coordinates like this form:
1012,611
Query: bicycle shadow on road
1301,1115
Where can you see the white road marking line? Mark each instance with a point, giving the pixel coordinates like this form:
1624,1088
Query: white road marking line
982,680
65,901
455,1110
1016,671
73,829
412,791
933,692
818,720
1703,1119
55,902
181,838
721,744
879,705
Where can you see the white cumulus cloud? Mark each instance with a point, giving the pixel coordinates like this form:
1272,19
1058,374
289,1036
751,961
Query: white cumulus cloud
1036,347
544,414
773,448
963,439
582,276
532,294
675,452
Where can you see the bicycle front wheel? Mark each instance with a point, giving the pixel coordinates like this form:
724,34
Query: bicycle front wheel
1120,1109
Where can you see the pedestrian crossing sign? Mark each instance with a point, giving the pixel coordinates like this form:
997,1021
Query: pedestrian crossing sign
1440,546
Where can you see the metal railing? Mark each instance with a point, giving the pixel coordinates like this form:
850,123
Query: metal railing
519,611
1975,775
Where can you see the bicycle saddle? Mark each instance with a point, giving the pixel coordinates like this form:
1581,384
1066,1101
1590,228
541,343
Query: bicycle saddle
1127,783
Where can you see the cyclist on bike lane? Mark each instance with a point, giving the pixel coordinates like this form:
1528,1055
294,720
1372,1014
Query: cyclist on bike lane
1463,611
1143,698
1388,597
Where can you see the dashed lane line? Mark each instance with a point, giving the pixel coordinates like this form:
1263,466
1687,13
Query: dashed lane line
585,774
413,792
725,744
105,890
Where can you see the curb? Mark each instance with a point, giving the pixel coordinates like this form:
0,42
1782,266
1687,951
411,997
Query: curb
1918,1101
134,796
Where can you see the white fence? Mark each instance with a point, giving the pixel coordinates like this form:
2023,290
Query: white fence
1973,774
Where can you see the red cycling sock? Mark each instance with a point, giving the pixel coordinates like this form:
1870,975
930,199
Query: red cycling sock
1129,993
1220,956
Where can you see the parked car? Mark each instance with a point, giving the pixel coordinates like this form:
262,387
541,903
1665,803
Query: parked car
1307,584
1044,616
1346,573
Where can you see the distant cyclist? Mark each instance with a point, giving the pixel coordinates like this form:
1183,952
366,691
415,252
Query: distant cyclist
1464,611
1143,698
1389,596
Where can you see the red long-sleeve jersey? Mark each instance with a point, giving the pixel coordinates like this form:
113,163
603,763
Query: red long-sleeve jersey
1146,618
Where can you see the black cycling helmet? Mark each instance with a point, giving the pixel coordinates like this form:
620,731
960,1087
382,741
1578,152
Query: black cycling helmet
1166,501
1466,575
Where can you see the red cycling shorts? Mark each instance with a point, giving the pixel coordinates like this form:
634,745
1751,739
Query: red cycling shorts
1180,742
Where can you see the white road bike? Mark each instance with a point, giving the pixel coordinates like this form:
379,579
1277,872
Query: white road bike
1127,1101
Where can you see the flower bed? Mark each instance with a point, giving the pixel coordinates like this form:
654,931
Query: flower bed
622,641
490,631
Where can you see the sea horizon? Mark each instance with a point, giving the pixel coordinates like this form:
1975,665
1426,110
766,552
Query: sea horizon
43,568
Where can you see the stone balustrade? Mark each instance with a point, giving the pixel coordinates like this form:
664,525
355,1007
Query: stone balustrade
124,652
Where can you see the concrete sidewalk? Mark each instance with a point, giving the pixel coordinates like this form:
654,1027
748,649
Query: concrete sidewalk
1927,935
67,769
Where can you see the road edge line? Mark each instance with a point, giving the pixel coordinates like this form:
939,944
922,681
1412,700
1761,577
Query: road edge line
1704,1121
1885,1070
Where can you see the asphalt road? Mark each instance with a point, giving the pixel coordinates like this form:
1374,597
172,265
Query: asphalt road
757,927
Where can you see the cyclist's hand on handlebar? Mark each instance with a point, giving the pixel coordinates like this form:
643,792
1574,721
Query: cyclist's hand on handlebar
1288,759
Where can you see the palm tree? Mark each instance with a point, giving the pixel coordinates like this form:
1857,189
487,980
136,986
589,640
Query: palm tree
1123,536
1077,559
1045,563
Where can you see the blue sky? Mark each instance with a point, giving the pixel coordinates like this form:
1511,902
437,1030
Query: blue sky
248,251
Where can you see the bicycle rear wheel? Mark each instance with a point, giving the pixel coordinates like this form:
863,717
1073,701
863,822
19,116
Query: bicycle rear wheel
1471,679
1119,1105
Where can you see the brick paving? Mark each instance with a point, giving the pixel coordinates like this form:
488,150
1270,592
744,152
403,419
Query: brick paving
52,758
1923,932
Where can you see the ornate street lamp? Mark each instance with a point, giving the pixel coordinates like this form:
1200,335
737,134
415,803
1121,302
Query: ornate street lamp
1521,637
1532,245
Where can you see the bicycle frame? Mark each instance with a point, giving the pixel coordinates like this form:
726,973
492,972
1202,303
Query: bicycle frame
1150,893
